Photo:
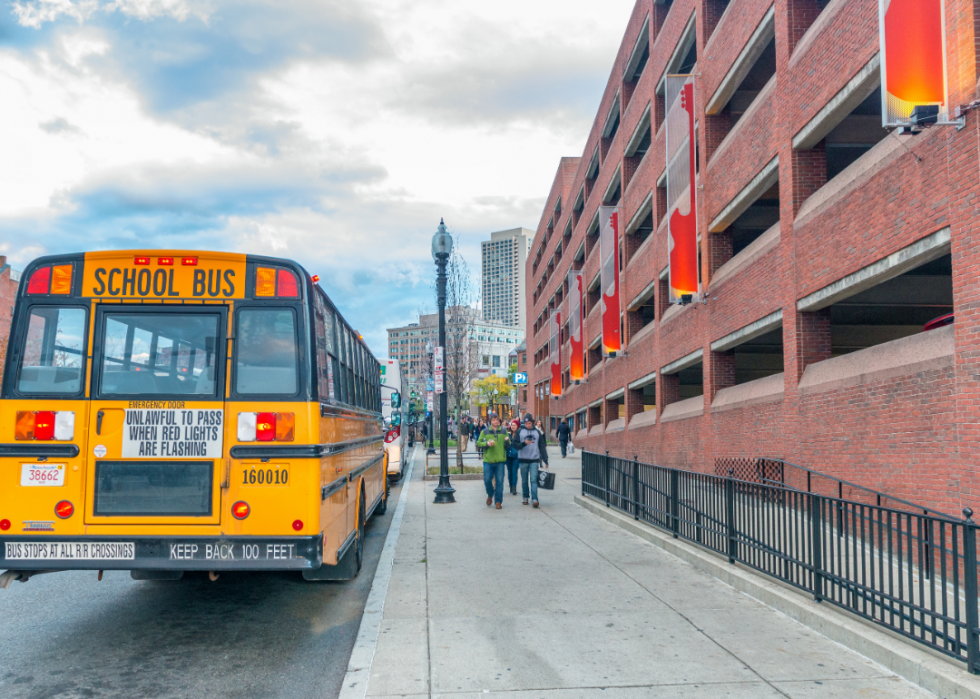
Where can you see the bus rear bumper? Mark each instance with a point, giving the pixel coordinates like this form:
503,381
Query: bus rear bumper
35,553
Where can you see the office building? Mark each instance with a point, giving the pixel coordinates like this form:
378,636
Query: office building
504,258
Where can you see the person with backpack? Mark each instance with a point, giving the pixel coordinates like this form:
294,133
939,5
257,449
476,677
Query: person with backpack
564,432
532,453
494,441
512,451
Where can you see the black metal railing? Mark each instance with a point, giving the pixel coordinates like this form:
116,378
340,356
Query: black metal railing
900,565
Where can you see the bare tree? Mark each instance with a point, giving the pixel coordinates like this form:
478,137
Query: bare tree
462,351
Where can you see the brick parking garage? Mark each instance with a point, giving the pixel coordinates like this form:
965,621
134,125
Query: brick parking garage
826,243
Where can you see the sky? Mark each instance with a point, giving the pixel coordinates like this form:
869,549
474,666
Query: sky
335,133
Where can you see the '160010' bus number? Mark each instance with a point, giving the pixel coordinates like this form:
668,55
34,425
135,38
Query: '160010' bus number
265,476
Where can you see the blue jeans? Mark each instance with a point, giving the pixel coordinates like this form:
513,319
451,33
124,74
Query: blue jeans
530,468
491,472
512,469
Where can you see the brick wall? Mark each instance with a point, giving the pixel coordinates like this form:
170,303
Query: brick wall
914,434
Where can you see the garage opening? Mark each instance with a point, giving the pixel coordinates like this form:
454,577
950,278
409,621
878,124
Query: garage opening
894,309
855,135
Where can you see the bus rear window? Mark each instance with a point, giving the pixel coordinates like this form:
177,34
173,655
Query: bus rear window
267,361
53,351
159,354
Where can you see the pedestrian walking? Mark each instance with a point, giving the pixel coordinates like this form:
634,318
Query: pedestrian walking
532,453
464,432
494,441
540,427
480,426
425,431
564,432
512,451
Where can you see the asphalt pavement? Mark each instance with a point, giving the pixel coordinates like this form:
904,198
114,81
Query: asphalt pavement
247,635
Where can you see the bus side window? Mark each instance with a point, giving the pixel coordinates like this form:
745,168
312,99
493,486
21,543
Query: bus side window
322,373
341,376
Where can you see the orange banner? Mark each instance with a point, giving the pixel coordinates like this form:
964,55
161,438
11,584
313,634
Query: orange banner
682,221
576,362
609,281
913,58
554,351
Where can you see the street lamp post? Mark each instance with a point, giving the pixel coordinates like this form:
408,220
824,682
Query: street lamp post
442,247
431,451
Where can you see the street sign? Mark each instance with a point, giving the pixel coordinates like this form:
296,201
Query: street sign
520,377
430,385
439,369
429,401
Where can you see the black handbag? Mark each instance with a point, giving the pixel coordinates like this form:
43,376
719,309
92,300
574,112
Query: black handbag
546,479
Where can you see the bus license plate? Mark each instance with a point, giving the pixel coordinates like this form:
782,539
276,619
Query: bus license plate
42,474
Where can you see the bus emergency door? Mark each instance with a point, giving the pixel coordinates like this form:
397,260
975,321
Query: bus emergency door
156,425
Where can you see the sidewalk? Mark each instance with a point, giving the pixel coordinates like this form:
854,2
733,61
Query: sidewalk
565,604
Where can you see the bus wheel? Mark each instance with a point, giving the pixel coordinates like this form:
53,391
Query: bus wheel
383,505
360,531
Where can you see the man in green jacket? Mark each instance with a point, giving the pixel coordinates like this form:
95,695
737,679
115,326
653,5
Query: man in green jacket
494,441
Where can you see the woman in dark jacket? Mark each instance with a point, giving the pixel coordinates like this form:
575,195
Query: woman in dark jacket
532,453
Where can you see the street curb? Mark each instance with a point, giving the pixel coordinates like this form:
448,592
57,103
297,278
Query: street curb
455,477
362,655
929,670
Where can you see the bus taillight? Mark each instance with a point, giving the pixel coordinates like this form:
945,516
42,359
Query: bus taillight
64,509
50,280
393,434
275,281
266,427
240,510
44,425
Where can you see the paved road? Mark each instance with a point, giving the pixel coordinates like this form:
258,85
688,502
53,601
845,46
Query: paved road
247,635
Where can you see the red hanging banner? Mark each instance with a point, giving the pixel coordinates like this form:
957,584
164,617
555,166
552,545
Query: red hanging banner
912,38
576,362
682,219
609,281
554,351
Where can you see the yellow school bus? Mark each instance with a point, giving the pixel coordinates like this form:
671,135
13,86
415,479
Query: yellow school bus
170,411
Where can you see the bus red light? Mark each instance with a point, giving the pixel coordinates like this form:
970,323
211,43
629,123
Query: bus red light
189,261
240,510
265,427
141,260
40,281
286,285
64,509
165,261
4,525
44,425
298,525
316,278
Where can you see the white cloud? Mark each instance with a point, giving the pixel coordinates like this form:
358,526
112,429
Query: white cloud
34,13
438,108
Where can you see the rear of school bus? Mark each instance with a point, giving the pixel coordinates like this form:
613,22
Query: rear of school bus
168,411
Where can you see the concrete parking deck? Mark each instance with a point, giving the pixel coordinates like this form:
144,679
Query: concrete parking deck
558,603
